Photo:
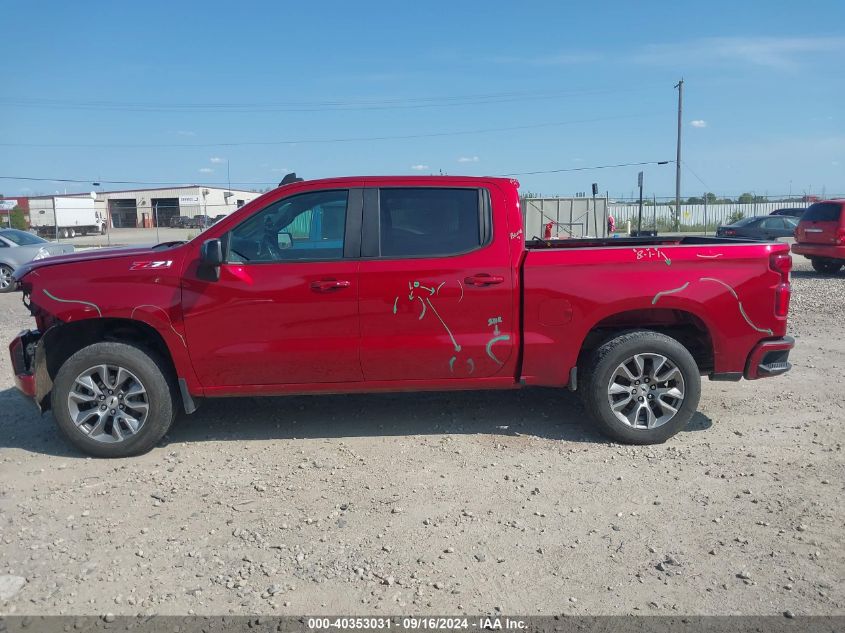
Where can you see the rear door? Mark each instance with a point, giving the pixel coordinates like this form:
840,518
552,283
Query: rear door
820,223
436,287
777,226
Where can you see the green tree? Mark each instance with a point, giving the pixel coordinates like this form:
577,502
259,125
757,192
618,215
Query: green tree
17,219
745,198
735,216
711,198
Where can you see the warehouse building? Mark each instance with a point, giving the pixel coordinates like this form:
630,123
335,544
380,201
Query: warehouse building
150,207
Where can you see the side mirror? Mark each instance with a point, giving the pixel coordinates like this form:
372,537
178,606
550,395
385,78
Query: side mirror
211,256
211,252
284,240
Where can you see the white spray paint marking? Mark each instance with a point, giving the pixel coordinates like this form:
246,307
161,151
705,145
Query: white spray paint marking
652,253
448,331
491,342
739,303
668,292
708,256
87,303
175,331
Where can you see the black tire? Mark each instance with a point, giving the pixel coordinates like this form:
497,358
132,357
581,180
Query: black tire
826,266
152,372
601,366
6,272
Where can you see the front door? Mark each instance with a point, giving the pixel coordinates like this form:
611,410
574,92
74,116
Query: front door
285,308
437,291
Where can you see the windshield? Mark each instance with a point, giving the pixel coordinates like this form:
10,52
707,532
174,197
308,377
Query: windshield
21,238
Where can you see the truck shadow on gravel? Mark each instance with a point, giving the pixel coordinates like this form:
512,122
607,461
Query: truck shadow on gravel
544,413
550,414
812,274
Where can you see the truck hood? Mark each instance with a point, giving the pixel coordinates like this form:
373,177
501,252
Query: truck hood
94,253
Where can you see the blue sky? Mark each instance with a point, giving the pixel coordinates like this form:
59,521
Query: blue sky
588,84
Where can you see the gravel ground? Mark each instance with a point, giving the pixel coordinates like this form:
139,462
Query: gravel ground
443,503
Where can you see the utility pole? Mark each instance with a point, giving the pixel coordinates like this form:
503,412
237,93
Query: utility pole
595,213
640,218
680,87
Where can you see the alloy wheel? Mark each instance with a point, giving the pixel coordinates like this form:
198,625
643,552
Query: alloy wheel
645,391
108,403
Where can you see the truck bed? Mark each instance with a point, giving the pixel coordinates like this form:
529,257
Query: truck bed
636,242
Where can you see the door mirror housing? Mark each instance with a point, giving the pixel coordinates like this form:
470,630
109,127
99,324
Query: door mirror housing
211,252
211,256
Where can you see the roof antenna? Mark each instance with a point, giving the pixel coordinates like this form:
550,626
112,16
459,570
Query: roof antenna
290,179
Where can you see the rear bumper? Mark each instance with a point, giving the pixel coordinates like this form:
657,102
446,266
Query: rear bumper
831,251
22,351
769,358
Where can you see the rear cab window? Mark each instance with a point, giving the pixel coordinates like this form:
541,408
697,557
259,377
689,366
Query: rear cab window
433,221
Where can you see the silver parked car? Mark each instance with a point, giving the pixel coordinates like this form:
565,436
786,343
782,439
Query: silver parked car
19,247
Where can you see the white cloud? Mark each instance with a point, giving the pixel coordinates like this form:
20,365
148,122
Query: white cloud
419,167
280,170
217,160
774,52
468,159
206,170
186,133
698,123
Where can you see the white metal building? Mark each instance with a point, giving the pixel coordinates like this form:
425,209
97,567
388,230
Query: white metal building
142,207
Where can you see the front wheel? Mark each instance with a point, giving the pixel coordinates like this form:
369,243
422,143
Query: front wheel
641,387
113,400
826,266
7,283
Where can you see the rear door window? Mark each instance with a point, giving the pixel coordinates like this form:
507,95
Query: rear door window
823,212
431,222
773,223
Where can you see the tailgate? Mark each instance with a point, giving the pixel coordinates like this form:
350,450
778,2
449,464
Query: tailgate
820,224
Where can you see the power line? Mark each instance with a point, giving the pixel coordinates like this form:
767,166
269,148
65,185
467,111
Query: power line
334,140
689,169
308,106
183,184
89,181
558,171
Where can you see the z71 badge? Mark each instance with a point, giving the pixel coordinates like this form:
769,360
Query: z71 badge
163,263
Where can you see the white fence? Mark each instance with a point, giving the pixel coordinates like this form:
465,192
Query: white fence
694,214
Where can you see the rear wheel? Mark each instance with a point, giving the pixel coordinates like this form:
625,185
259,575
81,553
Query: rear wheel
826,266
7,284
641,387
113,400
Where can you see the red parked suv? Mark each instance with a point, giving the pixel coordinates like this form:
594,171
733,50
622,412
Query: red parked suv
820,236
395,284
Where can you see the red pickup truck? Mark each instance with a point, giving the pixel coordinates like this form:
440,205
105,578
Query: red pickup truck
395,284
